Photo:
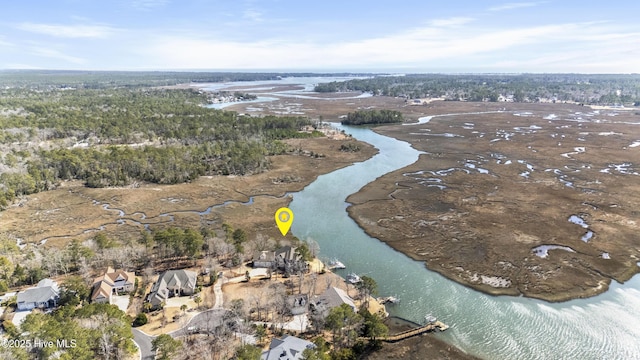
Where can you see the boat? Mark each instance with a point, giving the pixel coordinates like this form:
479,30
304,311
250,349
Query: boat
389,300
353,278
430,319
336,264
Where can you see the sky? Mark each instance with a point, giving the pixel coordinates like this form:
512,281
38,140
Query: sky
326,36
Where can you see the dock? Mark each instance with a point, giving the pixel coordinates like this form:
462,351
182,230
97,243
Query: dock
437,325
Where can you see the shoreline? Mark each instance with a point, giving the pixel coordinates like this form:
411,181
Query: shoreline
484,288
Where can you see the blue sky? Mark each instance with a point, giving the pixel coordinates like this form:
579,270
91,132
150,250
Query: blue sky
347,35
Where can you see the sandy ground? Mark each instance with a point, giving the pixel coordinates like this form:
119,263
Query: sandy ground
492,188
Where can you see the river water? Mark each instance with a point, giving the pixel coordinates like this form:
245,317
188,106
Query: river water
502,327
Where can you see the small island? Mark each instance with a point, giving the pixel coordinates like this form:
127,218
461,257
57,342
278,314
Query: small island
364,117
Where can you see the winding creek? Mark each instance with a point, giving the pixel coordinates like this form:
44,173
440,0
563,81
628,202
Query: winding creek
502,327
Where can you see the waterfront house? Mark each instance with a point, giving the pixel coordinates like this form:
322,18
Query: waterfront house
44,296
287,348
172,283
111,282
287,259
332,297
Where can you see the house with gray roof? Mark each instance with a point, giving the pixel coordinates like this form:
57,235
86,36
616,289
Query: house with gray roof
287,259
287,348
332,297
44,296
172,283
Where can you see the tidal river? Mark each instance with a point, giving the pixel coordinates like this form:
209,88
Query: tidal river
603,327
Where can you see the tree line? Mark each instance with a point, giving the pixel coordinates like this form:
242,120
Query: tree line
108,79
600,89
373,116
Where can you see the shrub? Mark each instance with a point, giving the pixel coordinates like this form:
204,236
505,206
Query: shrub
140,320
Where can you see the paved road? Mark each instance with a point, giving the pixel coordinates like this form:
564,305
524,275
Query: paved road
144,343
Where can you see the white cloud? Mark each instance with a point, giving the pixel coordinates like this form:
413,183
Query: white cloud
5,43
511,6
252,14
552,47
449,22
55,54
68,31
148,4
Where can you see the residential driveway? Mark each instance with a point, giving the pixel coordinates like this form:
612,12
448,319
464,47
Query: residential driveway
204,322
299,323
179,301
217,290
121,301
254,273
144,343
296,324
18,317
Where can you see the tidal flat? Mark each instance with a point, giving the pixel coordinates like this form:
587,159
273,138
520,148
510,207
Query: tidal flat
477,206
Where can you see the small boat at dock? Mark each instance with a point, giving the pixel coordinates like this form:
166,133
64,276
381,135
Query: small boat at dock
336,264
353,278
389,300
430,319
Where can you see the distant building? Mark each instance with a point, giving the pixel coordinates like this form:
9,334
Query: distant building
287,348
111,282
172,283
44,296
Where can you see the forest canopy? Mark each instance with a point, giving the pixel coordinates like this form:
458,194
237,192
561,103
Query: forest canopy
362,117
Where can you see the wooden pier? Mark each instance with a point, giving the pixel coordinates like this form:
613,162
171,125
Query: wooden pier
439,326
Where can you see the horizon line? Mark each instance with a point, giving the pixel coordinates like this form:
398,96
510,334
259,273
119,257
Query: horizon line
313,71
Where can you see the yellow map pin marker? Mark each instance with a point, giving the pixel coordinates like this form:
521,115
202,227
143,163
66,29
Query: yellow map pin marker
284,218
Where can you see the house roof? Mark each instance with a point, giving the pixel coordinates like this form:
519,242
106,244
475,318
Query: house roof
111,276
103,285
287,348
101,290
120,275
172,279
287,253
46,290
334,297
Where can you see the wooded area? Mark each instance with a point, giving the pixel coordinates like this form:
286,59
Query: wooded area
362,117
580,88
113,136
